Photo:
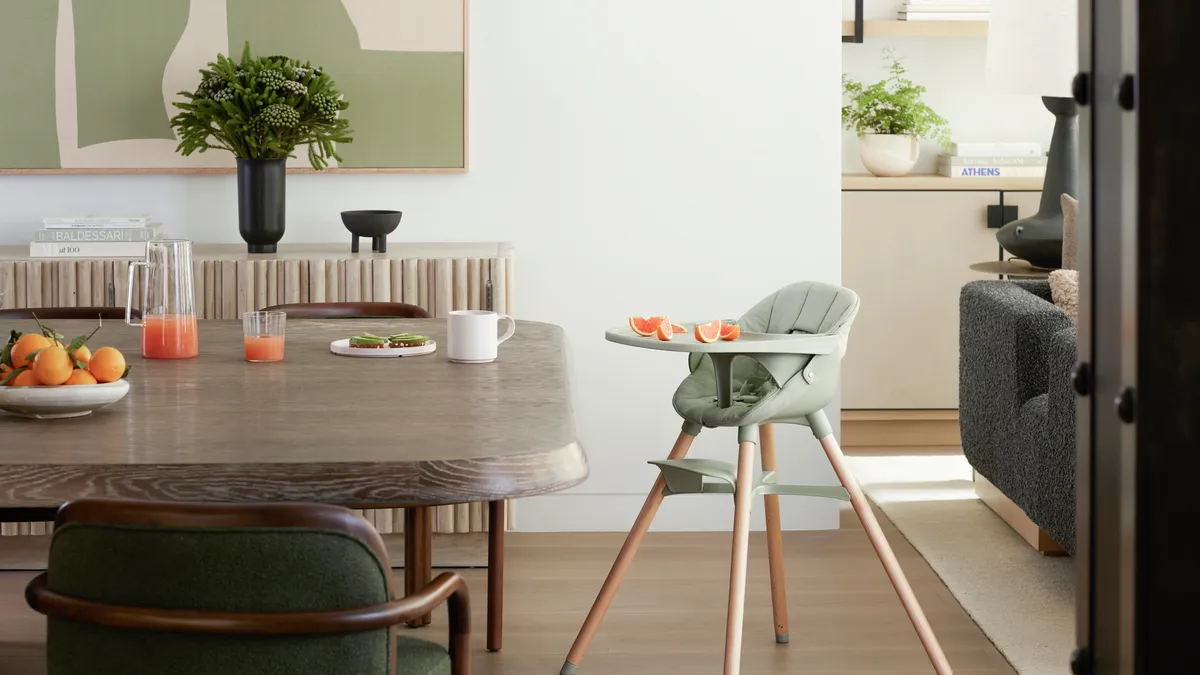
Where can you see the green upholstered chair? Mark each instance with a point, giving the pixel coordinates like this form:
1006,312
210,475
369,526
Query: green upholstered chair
782,370
145,588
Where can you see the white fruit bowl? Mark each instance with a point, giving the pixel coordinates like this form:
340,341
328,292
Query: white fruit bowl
48,403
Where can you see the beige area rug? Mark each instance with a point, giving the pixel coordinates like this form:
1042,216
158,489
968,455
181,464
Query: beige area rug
1023,601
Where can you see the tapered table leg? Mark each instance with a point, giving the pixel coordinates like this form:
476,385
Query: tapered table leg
495,601
621,564
413,556
884,550
427,554
742,501
774,539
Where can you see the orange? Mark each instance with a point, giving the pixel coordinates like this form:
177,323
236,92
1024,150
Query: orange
665,330
25,379
82,355
107,365
646,325
80,377
4,371
708,332
678,328
53,366
29,342
730,331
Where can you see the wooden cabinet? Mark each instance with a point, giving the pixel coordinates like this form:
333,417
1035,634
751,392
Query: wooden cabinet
907,253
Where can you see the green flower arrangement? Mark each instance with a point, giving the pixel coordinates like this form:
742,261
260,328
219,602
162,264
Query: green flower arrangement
892,106
262,108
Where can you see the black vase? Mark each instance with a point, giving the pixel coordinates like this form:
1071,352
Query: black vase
261,199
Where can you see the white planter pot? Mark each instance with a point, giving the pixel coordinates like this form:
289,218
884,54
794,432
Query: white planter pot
889,155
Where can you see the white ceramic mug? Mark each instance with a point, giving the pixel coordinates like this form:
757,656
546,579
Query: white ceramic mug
471,335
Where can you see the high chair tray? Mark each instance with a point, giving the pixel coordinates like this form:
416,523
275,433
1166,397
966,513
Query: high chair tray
747,343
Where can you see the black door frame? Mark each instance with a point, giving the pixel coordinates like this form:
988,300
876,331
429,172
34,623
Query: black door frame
1139,339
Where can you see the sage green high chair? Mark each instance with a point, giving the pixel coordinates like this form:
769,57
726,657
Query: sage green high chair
783,369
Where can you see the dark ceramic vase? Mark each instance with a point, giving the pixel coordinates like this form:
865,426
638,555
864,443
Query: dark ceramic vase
374,224
1038,238
261,199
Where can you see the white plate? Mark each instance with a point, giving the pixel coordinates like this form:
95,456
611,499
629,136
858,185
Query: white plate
47,403
343,348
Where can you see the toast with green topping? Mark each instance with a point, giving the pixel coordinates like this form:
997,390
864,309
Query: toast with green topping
403,340
368,341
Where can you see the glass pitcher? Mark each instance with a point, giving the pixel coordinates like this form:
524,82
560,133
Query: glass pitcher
168,301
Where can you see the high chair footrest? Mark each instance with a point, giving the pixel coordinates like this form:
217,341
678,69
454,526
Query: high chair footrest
686,476
822,491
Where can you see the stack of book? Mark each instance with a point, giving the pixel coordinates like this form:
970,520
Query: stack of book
945,10
993,160
94,237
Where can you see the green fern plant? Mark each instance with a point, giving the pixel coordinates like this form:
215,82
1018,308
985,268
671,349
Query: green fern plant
892,106
262,108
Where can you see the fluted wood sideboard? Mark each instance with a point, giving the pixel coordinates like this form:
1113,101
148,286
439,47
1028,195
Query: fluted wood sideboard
438,277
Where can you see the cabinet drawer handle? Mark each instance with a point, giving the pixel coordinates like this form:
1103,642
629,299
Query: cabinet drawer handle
999,216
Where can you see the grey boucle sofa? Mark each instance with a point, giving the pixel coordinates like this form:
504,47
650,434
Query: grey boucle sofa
1016,405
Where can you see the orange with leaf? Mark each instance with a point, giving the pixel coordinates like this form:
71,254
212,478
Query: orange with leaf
25,378
41,359
26,346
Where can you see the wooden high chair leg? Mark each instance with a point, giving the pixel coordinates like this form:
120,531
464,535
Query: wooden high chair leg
766,434
624,559
884,550
743,498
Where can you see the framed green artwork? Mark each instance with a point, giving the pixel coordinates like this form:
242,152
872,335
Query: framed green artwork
90,83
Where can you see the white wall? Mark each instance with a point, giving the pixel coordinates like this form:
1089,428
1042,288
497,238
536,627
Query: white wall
951,68
675,156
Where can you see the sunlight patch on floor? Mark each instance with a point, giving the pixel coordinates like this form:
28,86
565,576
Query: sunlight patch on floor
922,492
911,469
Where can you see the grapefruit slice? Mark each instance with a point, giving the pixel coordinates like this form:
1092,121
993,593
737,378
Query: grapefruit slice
730,331
678,328
665,331
645,325
708,332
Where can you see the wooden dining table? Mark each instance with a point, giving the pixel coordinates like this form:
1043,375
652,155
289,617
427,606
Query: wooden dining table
364,433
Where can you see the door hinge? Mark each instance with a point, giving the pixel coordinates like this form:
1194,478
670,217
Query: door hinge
1127,92
1081,88
1081,662
1081,378
1125,403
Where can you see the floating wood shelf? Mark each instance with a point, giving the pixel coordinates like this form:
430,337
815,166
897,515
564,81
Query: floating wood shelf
895,28
932,182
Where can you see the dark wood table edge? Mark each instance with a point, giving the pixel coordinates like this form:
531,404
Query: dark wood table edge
418,519
563,468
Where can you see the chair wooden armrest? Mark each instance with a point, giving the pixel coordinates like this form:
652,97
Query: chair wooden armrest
448,588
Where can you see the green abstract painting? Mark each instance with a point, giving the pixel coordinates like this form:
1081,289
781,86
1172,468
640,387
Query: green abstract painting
98,77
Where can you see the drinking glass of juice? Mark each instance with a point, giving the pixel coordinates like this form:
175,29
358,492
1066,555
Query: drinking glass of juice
264,336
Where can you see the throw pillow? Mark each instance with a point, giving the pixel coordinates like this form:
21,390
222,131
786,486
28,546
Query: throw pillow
1064,290
1070,209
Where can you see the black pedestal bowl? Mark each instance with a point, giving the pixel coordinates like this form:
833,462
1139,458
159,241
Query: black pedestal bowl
374,224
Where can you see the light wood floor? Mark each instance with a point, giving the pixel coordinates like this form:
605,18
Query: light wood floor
669,614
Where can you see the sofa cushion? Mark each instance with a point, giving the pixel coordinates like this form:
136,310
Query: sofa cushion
1064,288
1070,209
